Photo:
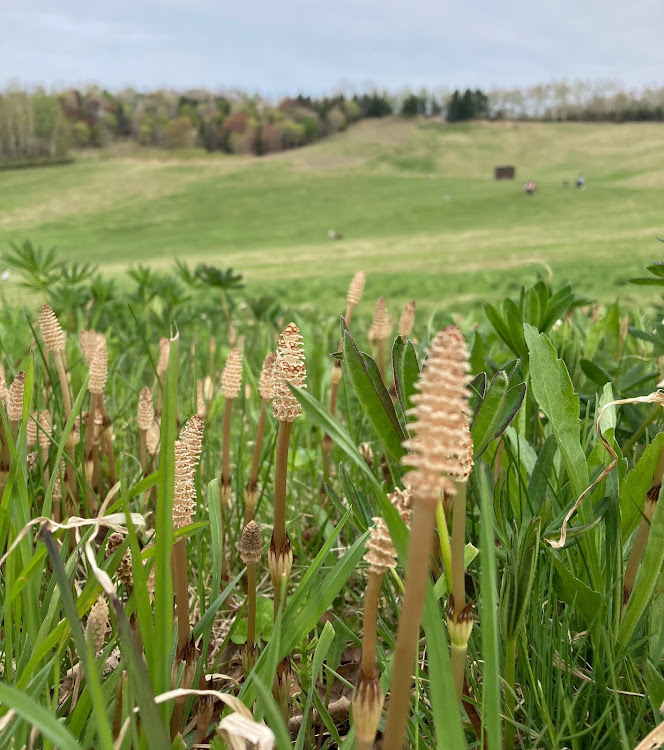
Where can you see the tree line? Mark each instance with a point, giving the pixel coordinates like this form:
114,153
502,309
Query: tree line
39,124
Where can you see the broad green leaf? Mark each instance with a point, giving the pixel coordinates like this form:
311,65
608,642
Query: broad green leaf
635,486
264,621
500,326
372,398
539,478
554,392
406,371
489,413
496,411
594,372
514,319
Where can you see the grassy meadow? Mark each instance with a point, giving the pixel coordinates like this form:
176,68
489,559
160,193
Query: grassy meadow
383,185
216,536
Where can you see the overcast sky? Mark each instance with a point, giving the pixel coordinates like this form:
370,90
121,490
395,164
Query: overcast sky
280,47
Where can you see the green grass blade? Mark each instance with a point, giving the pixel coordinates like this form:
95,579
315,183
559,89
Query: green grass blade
273,715
35,715
489,615
84,652
160,669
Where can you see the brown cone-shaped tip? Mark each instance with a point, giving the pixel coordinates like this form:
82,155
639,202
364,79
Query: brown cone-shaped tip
145,416
439,446
380,325
356,288
15,400
251,544
54,336
380,554
407,319
289,368
231,378
99,368
266,380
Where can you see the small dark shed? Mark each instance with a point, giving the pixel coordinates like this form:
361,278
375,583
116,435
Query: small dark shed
504,173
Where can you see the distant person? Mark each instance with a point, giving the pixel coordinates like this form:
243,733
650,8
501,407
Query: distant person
530,187
581,182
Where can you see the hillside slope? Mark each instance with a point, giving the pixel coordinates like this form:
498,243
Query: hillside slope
413,198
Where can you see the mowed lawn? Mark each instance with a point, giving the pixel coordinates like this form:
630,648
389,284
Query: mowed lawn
416,204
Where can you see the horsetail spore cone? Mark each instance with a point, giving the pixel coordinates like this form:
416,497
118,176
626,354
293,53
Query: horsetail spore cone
354,295
251,545
97,625
289,369
15,402
54,342
407,319
231,382
368,696
184,507
96,384
437,454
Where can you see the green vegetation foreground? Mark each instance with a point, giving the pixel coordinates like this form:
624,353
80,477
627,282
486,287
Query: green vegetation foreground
406,196
184,520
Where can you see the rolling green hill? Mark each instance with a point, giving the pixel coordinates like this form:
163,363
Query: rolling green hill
416,204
